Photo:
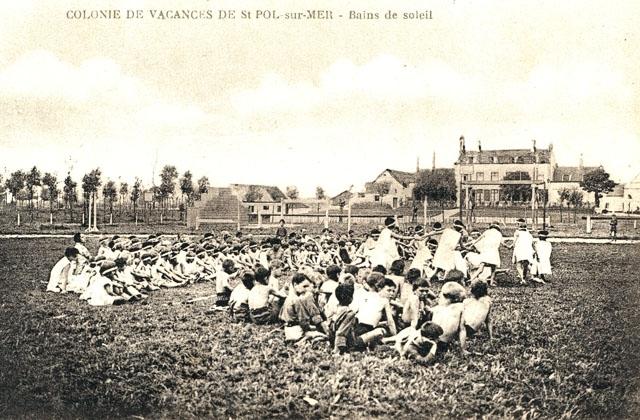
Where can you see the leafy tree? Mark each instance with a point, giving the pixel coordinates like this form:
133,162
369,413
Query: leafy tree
32,180
15,183
576,197
167,187
437,185
90,184
69,193
51,183
186,186
598,182
110,193
320,195
516,192
253,194
203,185
136,192
124,191
292,192
563,195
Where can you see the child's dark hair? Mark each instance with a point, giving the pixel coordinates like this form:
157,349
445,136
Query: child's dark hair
333,271
397,267
248,279
262,275
431,330
479,288
412,275
379,269
228,266
299,278
455,275
71,252
374,279
351,269
344,294
421,283
77,237
385,282
121,262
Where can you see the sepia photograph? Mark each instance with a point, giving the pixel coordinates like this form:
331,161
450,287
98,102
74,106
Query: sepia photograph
319,209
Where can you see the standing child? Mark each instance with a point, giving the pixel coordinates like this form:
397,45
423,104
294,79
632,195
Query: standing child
522,252
613,227
543,256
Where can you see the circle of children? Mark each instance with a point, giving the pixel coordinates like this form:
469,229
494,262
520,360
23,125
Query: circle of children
354,293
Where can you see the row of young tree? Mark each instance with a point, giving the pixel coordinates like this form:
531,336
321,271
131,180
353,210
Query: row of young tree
34,187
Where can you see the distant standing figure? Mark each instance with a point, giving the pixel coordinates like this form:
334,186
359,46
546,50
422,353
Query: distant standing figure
282,231
613,227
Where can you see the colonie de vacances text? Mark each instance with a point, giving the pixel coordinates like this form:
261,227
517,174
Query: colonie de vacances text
266,14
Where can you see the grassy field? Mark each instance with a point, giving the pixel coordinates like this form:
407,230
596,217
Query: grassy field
569,349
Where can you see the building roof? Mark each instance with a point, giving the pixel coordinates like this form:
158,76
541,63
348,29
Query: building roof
505,156
571,173
404,178
269,192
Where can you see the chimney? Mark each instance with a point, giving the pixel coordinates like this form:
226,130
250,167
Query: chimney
433,161
463,148
479,146
535,149
550,147
418,164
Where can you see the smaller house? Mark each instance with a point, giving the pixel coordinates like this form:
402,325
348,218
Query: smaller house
265,200
400,187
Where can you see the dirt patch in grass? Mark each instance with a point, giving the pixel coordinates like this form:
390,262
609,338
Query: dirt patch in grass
566,349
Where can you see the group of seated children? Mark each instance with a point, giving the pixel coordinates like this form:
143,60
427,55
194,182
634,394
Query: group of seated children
357,309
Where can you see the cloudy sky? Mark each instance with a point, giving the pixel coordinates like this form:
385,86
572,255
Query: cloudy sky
308,103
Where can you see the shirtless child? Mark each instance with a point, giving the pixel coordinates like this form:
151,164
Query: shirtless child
475,313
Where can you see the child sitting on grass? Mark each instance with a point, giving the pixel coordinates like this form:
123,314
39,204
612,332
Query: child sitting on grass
373,306
415,310
263,309
342,322
239,298
448,313
223,288
304,319
475,312
101,291
329,285
61,271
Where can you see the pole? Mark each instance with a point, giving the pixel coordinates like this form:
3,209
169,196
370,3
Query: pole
259,218
533,205
326,218
544,208
89,208
460,196
50,218
110,218
588,223
349,215
238,215
18,219
425,212
95,213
